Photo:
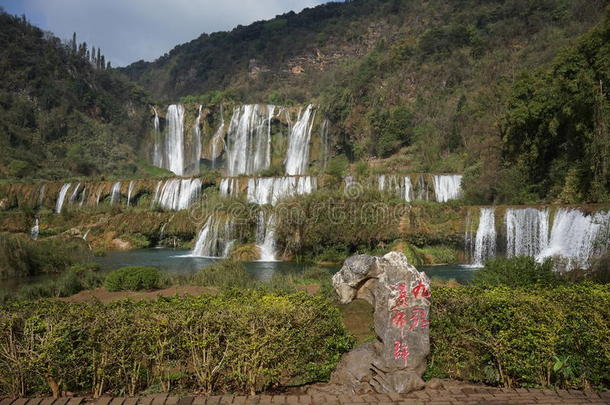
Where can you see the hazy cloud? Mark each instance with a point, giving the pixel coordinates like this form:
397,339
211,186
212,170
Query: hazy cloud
129,30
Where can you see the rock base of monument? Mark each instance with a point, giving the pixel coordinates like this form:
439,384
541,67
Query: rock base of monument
396,361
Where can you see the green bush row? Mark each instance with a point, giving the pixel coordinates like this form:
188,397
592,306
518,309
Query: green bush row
233,342
528,336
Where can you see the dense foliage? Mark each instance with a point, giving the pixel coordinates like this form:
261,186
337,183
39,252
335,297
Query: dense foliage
528,336
133,278
516,272
62,115
22,257
235,342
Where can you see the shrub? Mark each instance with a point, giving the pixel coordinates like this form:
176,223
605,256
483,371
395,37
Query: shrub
233,342
522,336
224,274
133,278
516,272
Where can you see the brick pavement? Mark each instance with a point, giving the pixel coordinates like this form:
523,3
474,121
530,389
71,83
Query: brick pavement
450,396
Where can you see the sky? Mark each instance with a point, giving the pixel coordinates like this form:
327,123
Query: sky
130,30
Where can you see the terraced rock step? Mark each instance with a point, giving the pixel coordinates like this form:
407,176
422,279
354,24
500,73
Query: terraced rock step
449,396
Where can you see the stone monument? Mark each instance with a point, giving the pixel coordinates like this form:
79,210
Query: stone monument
396,360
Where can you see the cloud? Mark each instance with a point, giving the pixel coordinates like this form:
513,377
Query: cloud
129,30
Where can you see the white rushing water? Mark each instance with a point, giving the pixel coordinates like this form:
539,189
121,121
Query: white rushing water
215,238
447,186
229,186
297,155
265,237
41,195
62,197
193,165
129,192
177,194
578,238
408,189
527,231
35,230
174,141
397,185
248,143
74,194
270,190
422,189
158,144
485,242
115,194
83,195
218,138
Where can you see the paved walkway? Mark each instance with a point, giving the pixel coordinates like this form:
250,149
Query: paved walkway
450,396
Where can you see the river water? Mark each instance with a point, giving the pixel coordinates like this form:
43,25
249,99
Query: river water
180,262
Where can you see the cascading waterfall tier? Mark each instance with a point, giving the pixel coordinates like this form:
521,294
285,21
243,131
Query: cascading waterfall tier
62,197
297,155
572,237
270,190
229,186
215,238
115,194
399,186
177,194
35,230
248,142
174,141
447,187
485,241
527,231
265,237
577,238
158,146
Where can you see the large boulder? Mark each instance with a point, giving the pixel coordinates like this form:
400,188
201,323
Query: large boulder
396,360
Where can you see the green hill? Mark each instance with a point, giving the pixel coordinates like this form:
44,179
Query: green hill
417,85
61,114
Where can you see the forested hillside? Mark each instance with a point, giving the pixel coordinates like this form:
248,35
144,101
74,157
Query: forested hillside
63,113
417,86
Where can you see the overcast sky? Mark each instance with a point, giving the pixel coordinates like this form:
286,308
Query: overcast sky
129,30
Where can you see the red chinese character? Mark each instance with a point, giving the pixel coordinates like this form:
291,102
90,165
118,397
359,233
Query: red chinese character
421,289
419,318
401,351
403,296
399,320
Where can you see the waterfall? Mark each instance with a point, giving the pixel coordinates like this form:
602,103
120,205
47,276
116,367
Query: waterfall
115,194
218,138
82,196
485,242
265,237
229,186
174,142
100,190
129,191
325,143
447,186
61,197
270,190
249,139
41,195
422,188
381,182
297,155
578,238
215,238
74,194
177,194
196,154
527,231
158,145
408,189
35,230
349,181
